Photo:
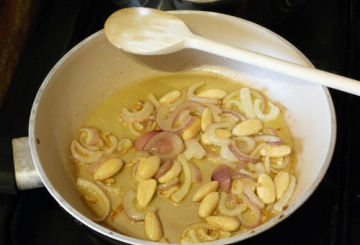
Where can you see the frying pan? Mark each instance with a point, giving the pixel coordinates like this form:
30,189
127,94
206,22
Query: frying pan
90,72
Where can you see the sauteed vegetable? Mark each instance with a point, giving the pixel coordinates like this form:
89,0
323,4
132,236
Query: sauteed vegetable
193,158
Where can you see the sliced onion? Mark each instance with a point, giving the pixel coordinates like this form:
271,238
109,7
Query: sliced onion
284,163
124,145
82,154
144,138
182,192
138,116
242,175
93,188
227,155
111,143
260,96
253,197
191,94
246,101
250,175
230,96
154,100
193,149
164,168
198,229
230,212
250,144
269,139
166,122
222,174
236,114
89,136
196,175
279,205
168,185
165,145
111,189
132,211
133,173
254,209
240,155
212,137
272,115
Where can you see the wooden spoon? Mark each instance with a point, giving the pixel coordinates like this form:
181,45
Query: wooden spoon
149,31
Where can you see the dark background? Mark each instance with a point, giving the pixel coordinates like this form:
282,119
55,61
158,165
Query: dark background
326,31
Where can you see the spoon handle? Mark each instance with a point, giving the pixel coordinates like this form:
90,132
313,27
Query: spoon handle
277,65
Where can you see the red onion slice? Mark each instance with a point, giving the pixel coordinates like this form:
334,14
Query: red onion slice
144,138
255,210
167,123
222,174
269,139
240,155
164,168
253,197
165,145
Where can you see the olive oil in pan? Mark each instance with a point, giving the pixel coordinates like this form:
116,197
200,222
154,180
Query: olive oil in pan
174,217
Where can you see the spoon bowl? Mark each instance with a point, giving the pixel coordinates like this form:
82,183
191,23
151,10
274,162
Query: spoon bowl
146,31
149,31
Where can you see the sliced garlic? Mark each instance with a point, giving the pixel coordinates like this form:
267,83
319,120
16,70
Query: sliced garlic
282,182
153,229
213,93
145,192
148,166
170,97
207,118
192,130
277,151
208,204
223,222
204,190
108,169
247,127
266,190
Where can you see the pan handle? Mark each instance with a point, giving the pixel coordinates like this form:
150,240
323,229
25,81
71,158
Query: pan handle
17,169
